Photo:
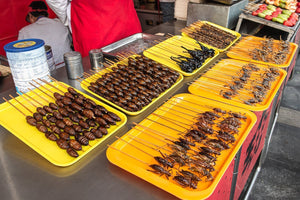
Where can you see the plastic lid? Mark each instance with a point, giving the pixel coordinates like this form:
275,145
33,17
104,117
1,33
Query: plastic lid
23,45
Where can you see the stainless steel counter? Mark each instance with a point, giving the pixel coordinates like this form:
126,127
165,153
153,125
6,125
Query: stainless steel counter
25,175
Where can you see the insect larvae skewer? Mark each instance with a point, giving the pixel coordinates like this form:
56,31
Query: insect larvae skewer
42,91
20,103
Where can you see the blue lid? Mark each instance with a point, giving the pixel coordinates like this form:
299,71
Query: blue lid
23,45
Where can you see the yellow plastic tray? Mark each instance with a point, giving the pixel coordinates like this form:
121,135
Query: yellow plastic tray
238,35
204,188
84,84
231,66
172,47
242,49
15,122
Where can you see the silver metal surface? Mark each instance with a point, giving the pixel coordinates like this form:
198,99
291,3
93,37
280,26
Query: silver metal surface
220,14
25,175
96,59
135,43
73,63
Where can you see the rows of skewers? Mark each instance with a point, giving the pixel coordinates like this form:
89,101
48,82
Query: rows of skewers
209,34
133,84
187,143
185,54
69,118
241,82
263,49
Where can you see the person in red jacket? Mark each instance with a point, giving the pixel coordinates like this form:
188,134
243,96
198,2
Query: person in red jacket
97,23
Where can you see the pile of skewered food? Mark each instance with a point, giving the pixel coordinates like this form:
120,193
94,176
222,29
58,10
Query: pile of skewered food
72,121
189,154
262,49
188,55
133,84
209,34
238,81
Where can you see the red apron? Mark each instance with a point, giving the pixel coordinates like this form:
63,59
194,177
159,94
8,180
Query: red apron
97,23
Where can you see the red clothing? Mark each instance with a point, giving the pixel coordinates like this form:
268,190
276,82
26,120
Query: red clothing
97,23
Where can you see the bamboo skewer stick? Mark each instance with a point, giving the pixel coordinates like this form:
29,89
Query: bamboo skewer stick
26,99
166,125
51,85
32,98
170,120
42,86
40,95
145,132
14,107
205,84
141,141
20,103
128,154
175,111
154,131
42,90
134,146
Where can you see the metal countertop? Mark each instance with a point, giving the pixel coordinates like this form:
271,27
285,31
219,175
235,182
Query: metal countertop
28,176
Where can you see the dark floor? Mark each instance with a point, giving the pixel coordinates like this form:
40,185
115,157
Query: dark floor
279,177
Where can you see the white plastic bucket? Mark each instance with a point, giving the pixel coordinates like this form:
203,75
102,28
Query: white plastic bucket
27,60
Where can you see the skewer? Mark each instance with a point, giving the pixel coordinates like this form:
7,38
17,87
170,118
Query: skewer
202,105
20,103
141,141
155,131
176,111
203,84
40,95
190,108
51,85
162,135
32,98
166,125
128,155
240,100
42,91
15,107
170,120
26,99
145,132
43,87
134,146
